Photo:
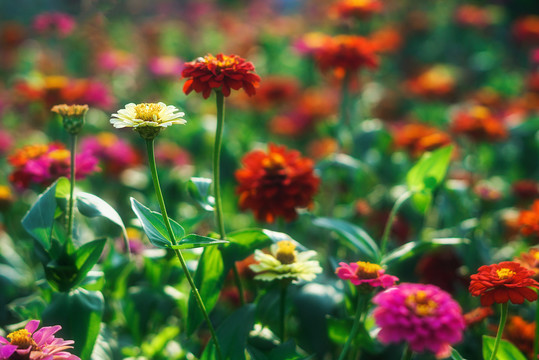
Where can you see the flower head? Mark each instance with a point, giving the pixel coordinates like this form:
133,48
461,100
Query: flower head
435,82
520,333
479,123
276,183
365,273
285,262
360,9
503,282
31,343
165,66
419,138
346,53
530,260
424,316
72,116
55,23
147,118
477,315
528,220
220,72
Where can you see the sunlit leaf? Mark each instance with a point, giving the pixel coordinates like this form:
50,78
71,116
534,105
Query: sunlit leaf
414,248
199,189
506,350
197,241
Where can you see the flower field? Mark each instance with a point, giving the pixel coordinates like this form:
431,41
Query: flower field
269,180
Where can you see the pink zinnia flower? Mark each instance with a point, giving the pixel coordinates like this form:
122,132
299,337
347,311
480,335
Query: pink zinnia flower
361,272
28,343
424,316
165,66
117,60
58,22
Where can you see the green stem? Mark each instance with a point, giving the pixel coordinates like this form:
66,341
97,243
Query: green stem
282,322
343,111
503,318
407,353
159,194
220,102
536,338
361,300
387,230
70,204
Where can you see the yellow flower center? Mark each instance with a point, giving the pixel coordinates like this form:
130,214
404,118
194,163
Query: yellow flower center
60,154
367,270
22,338
5,193
480,112
226,62
505,273
286,252
274,161
148,111
536,255
420,303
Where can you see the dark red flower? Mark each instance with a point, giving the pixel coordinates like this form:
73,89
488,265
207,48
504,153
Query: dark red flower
346,52
221,72
276,183
503,282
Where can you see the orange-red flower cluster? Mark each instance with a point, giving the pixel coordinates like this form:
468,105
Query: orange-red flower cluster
386,40
346,53
359,9
528,220
530,261
503,282
435,82
418,138
477,315
479,123
526,29
220,72
275,183
521,333
473,16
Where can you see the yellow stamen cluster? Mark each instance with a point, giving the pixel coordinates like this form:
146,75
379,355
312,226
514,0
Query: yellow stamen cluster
480,112
420,303
70,110
148,111
367,270
273,161
286,252
22,338
505,273
106,139
228,61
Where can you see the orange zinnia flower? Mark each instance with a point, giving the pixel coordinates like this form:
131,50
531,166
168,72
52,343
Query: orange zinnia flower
360,9
503,282
221,72
528,220
276,183
521,333
479,123
435,82
530,260
346,52
419,138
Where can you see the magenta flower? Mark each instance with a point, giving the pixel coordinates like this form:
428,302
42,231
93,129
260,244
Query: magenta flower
54,22
365,273
165,66
424,316
28,343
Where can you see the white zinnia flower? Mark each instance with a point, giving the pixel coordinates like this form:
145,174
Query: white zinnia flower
285,262
147,115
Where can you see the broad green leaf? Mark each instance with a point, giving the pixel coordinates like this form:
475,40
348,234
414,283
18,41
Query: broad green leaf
86,257
232,335
197,241
199,189
90,205
154,225
79,312
506,350
286,351
355,236
417,247
243,243
209,278
430,170
455,355
39,220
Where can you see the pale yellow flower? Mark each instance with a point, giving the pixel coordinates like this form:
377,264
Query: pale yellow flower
147,115
285,262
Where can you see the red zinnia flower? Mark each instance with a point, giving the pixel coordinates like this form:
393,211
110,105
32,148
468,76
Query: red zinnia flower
276,183
419,138
346,52
221,72
528,220
360,9
503,282
435,82
479,123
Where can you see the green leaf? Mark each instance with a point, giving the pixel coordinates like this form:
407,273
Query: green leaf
413,248
199,189
197,241
209,278
154,225
86,257
354,235
430,170
286,351
232,335
91,206
506,350
39,220
455,355
243,243
79,312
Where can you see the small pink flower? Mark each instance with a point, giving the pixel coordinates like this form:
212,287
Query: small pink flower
165,66
61,23
365,273
117,60
31,343
424,316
